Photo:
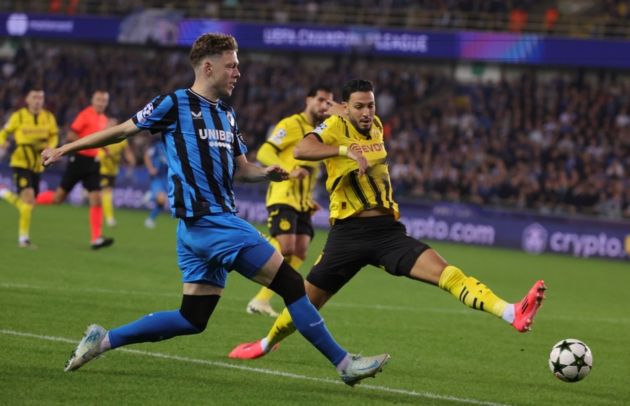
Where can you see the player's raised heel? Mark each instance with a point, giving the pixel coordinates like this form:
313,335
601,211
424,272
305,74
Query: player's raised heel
526,309
87,349
361,367
256,306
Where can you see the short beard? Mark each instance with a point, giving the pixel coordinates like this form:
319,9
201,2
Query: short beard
359,129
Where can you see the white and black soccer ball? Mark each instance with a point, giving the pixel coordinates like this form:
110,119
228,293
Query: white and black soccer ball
570,360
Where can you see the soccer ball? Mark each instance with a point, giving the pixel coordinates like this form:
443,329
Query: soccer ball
570,360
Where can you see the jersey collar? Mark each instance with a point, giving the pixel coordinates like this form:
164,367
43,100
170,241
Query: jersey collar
203,98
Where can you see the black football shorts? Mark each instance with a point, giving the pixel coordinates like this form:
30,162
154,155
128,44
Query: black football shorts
356,242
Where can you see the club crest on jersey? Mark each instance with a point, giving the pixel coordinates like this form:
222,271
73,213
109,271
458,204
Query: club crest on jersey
230,119
196,116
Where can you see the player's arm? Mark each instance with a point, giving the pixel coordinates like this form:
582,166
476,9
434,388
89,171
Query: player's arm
268,155
249,172
99,139
10,127
312,149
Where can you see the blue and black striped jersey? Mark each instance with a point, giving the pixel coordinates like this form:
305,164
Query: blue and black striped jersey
202,141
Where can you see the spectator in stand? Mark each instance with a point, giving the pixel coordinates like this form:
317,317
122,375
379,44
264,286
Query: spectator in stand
518,19
551,18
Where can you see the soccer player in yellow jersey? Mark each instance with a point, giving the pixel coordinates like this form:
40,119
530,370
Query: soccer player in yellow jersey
290,203
109,158
33,129
365,227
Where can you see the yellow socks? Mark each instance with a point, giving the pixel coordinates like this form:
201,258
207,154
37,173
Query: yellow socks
264,294
281,329
471,292
108,205
295,262
25,211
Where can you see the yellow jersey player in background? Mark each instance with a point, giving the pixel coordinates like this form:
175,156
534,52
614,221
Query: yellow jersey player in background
290,204
365,228
109,158
33,129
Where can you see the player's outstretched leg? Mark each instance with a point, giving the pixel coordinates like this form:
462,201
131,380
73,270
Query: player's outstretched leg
478,296
307,320
191,318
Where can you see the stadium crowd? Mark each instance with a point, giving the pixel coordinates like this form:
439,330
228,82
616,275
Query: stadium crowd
562,17
559,145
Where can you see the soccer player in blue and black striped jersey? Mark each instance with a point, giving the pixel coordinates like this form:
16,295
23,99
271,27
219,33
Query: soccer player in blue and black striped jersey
205,153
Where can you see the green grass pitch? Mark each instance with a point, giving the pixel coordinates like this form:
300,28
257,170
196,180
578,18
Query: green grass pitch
442,352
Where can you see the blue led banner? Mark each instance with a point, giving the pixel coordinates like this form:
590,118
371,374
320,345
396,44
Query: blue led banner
362,40
164,27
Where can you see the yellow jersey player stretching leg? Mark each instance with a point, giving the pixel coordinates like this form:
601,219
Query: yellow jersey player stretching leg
290,204
33,129
365,227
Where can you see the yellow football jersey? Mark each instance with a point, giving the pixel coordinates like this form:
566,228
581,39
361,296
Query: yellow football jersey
350,193
278,149
32,133
109,158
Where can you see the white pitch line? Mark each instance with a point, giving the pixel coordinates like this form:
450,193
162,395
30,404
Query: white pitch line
376,306
426,395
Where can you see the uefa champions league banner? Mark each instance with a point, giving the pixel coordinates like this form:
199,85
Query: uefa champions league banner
335,39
